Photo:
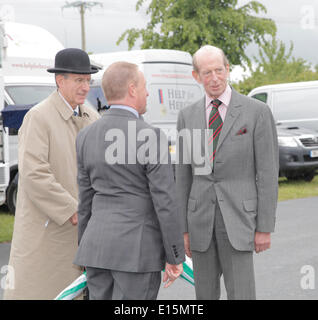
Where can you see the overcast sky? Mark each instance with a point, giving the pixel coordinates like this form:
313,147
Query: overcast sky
296,20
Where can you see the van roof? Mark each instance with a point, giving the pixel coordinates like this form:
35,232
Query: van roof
25,80
26,40
143,56
290,85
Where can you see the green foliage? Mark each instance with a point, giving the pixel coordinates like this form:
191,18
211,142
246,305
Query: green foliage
276,65
187,25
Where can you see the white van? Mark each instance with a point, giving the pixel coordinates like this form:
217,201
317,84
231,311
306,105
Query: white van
22,91
169,80
293,104
295,110
28,51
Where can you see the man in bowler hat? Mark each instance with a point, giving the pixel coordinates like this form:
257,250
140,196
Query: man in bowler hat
45,231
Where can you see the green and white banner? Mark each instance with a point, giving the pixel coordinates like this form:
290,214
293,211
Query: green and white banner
77,286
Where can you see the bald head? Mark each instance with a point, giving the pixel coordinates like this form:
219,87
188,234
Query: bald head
206,51
211,69
117,78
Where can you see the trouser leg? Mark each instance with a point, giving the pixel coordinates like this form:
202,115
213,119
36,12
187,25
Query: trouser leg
136,286
237,266
100,283
207,273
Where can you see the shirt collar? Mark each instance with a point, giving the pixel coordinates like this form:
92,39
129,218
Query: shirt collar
77,107
119,106
225,97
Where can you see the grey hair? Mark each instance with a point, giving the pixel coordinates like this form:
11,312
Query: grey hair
65,75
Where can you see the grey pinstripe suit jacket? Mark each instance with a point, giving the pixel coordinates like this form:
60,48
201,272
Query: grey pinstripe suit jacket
245,177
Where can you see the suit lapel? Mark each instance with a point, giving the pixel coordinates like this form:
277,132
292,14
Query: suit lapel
199,120
232,114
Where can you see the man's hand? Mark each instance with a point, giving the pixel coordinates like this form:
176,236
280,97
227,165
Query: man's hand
172,272
262,241
187,244
74,219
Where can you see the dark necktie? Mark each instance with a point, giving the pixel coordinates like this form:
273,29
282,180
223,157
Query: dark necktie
215,124
75,113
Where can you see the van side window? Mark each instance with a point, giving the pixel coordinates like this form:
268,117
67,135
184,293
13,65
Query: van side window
260,96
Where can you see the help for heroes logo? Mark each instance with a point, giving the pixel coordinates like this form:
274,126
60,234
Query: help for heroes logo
173,100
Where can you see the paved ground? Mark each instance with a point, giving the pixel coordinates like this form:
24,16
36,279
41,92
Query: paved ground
278,271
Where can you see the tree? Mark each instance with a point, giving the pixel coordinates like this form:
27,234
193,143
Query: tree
188,24
276,65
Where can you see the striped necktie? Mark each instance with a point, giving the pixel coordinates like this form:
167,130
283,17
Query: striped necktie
75,113
215,125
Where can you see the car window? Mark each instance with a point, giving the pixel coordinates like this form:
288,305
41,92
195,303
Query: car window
260,96
29,94
295,104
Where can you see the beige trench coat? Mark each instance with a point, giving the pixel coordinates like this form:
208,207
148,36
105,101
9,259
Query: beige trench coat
44,241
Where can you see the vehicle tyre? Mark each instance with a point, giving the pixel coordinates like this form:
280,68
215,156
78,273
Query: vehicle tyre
309,176
12,195
293,177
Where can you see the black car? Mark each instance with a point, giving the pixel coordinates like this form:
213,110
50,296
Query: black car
298,152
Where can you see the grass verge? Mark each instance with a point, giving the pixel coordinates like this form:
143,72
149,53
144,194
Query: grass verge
297,189
6,226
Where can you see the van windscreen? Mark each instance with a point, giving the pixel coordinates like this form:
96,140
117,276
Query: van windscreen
260,96
29,94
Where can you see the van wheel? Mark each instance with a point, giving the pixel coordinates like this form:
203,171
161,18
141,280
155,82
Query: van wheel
12,196
309,176
293,177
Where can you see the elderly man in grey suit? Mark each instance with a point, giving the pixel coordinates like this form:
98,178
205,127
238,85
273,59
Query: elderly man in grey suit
230,210
129,228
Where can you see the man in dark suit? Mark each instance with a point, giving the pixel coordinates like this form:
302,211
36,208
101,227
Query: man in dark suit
129,228
229,211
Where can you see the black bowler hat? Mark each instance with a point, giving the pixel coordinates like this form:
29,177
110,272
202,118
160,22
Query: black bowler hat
73,60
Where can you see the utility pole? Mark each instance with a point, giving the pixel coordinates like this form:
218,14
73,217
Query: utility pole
82,6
